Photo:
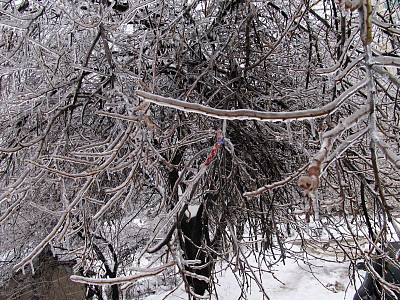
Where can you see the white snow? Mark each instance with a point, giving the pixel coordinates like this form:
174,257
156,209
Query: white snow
192,210
320,280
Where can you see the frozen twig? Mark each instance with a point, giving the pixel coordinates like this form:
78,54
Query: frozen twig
386,61
177,210
336,67
344,145
184,200
56,228
12,207
108,204
395,80
42,136
310,182
390,155
117,116
275,184
388,287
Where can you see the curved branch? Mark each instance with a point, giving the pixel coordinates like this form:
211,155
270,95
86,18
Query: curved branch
275,184
123,279
310,182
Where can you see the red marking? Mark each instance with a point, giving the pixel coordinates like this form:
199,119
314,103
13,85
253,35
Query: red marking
220,141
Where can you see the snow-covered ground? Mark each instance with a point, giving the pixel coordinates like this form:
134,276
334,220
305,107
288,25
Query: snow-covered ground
321,280
325,276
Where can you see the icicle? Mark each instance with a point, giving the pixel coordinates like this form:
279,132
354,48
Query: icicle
289,130
396,229
67,243
32,268
315,206
312,127
307,205
224,128
161,190
13,81
330,79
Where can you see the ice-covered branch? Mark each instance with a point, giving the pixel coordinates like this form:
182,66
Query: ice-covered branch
389,287
123,279
249,114
386,61
178,208
365,13
344,145
387,74
387,26
14,186
58,172
310,182
42,136
56,228
108,204
181,206
336,67
275,184
12,207
280,39
117,116
390,155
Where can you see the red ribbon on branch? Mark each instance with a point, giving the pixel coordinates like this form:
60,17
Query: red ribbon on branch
217,145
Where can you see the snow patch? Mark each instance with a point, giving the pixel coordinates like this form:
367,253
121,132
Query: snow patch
296,281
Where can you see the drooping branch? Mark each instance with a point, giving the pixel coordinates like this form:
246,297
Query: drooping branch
310,182
389,154
56,228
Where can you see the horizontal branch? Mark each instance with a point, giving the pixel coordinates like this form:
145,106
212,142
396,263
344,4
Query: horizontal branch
387,61
123,279
61,173
117,116
249,114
